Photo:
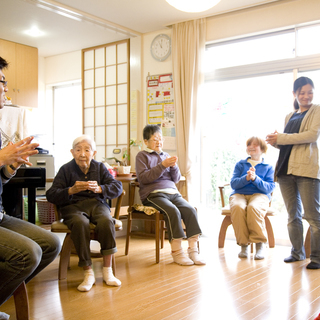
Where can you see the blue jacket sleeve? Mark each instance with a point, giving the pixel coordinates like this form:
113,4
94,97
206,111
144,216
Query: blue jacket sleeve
265,185
239,179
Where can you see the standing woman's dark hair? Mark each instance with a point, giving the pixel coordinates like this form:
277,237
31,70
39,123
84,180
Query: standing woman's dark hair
297,85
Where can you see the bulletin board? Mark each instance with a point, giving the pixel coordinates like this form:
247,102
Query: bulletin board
160,107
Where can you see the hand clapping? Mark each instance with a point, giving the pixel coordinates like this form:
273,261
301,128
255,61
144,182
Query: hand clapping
272,138
170,161
251,174
85,185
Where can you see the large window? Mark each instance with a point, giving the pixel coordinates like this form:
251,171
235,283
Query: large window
270,47
239,109
248,91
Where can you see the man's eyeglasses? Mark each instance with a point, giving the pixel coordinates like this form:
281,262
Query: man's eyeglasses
5,83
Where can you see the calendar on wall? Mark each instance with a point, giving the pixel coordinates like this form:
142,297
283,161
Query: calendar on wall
160,107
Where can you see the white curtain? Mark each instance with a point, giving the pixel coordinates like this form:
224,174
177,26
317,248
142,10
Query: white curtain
188,45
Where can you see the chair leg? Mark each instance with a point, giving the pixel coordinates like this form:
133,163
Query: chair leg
223,230
162,232
270,234
157,227
21,302
129,225
307,243
65,256
114,264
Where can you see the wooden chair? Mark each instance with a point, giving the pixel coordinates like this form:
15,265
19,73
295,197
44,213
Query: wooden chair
21,302
157,218
227,221
59,227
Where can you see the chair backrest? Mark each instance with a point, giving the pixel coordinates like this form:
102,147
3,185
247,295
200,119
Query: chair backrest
58,217
133,185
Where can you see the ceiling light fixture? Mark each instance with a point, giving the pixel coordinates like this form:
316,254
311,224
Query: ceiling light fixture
34,32
193,5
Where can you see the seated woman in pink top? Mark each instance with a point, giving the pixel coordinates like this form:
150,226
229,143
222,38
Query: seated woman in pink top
158,174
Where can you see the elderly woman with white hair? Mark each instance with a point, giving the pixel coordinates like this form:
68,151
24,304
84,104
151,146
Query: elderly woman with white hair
80,190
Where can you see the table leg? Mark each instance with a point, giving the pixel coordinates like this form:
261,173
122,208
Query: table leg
32,205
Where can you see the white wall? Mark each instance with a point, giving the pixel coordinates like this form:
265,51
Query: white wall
273,16
63,68
150,66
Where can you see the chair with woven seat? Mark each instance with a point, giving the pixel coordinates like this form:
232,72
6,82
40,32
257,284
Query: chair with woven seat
59,227
227,221
157,218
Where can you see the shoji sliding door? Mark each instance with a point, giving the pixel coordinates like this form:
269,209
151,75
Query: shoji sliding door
105,81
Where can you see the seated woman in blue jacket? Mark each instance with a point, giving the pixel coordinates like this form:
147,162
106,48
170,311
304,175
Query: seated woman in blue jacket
252,184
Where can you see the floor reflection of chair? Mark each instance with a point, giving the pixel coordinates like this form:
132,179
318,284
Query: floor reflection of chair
59,227
307,243
225,211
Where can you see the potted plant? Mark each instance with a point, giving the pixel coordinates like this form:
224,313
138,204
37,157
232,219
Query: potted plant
135,147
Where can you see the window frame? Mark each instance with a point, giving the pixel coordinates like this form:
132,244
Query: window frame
117,143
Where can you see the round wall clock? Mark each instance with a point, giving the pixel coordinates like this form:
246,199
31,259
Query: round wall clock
161,47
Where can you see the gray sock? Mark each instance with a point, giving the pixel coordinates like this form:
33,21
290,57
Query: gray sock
259,251
244,253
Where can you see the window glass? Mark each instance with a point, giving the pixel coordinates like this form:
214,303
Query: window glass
307,40
67,121
237,110
99,77
252,50
99,58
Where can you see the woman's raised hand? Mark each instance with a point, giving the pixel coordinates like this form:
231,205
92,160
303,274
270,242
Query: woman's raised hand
272,138
170,161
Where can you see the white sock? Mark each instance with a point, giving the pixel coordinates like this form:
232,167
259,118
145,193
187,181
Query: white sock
109,278
88,282
193,250
176,244
193,242
195,256
4,316
181,258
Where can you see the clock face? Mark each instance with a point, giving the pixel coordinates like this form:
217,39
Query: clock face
161,47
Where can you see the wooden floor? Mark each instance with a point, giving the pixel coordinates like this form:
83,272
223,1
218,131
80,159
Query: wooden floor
226,288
